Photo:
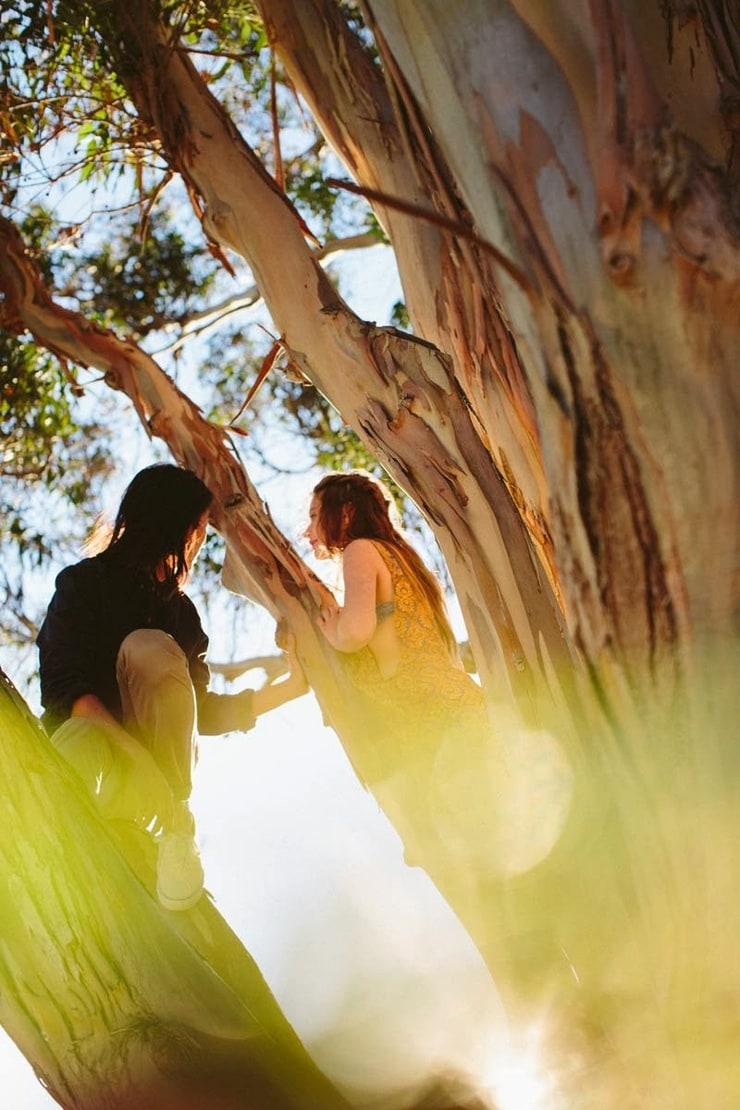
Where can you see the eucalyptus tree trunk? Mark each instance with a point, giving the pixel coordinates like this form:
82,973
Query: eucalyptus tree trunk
404,399
590,147
590,150
117,1003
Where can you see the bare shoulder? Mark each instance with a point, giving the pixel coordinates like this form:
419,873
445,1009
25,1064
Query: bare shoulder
361,555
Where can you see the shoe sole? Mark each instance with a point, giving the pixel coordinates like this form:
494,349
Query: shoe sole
179,903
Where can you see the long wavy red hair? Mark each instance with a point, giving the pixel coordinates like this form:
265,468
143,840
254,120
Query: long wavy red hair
353,506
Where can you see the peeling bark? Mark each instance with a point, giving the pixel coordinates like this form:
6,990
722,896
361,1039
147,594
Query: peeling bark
597,327
449,285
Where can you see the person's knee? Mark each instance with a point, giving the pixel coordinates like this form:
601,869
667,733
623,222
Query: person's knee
150,654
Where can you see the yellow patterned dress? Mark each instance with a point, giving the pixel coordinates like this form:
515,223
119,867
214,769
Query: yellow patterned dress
427,729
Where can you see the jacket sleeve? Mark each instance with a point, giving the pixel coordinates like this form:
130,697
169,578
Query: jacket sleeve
218,713
67,642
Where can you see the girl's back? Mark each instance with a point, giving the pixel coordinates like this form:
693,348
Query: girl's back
428,684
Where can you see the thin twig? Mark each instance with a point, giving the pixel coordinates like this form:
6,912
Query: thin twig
446,222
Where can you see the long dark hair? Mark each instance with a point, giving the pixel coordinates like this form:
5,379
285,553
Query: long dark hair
353,506
161,506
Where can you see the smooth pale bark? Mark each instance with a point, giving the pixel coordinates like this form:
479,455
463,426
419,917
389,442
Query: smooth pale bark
117,1003
449,284
565,153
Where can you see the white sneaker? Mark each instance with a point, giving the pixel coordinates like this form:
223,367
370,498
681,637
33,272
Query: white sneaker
179,872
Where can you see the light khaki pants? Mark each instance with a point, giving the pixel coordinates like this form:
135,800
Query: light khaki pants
159,710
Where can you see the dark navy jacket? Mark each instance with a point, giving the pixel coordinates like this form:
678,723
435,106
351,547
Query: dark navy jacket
96,604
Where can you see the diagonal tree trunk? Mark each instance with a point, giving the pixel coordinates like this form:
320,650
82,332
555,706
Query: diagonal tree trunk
261,564
452,296
117,1003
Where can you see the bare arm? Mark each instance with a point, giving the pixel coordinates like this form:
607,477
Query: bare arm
278,693
352,626
219,713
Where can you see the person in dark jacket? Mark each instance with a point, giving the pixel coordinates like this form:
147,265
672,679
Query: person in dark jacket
124,681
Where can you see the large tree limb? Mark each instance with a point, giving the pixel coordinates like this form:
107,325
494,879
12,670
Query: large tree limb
604,358
455,480
450,287
262,565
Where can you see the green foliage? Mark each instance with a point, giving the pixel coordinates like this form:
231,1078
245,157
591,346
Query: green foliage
144,279
52,463
66,120
400,316
48,446
35,415
114,236
58,95
34,411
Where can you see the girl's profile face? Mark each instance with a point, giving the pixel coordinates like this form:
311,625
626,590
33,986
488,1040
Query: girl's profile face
314,533
195,539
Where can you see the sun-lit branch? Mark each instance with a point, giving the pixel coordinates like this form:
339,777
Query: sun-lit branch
273,665
198,323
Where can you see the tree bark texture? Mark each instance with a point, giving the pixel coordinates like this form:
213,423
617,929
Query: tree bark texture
588,144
